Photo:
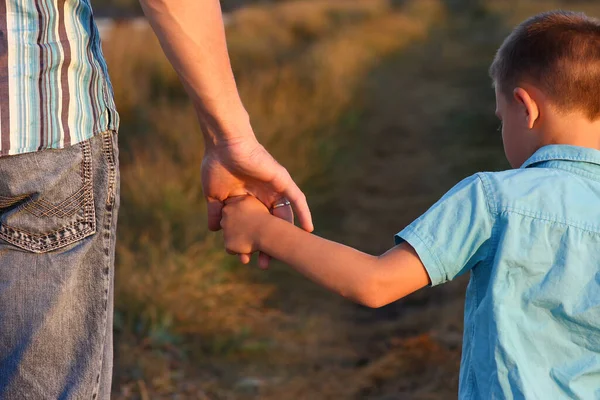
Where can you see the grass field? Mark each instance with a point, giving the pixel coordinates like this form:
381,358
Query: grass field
376,108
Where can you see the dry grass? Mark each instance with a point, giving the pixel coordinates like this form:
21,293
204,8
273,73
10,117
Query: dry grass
166,262
370,105
298,75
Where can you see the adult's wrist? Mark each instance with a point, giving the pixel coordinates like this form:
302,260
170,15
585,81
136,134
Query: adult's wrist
223,126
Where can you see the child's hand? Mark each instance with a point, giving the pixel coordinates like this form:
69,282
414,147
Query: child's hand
241,222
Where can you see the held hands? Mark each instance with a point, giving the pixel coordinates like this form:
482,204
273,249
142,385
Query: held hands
242,219
242,166
192,36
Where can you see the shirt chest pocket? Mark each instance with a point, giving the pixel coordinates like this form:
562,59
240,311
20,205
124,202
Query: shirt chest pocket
46,198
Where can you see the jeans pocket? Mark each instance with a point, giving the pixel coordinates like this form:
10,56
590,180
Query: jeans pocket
47,198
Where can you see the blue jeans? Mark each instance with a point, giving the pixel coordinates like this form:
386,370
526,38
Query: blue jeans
58,217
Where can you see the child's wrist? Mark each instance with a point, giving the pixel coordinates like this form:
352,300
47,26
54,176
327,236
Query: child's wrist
263,227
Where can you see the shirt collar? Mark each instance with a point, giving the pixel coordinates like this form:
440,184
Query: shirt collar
563,152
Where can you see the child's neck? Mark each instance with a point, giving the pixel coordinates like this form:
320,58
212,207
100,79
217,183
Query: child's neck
573,129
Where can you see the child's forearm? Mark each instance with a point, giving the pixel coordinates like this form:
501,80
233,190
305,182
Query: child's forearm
372,281
338,268
360,277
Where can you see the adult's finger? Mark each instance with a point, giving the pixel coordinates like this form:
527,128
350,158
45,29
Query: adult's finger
263,260
300,205
284,213
214,209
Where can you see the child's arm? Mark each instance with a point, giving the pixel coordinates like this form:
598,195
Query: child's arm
369,280
366,279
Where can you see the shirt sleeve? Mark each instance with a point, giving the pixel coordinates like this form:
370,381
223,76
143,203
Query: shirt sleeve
455,233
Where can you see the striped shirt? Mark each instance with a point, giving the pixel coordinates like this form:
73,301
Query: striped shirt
54,85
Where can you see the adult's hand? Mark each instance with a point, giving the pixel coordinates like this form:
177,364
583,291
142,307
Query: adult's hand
243,166
192,35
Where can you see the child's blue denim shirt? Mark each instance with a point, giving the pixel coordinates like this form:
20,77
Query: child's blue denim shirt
531,239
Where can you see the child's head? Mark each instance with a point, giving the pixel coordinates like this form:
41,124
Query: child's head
547,80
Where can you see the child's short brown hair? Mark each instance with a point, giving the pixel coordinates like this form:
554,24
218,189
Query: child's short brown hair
558,52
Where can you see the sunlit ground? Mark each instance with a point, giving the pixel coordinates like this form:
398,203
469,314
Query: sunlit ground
376,108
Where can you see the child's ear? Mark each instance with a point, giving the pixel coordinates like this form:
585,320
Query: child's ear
531,111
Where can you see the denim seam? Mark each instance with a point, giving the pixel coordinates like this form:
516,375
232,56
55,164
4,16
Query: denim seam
577,171
7,201
543,217
553,156
39,243
493,210
487,192
429,248
492,204
108,152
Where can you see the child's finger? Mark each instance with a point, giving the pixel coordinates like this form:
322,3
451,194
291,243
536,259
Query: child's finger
244,258
235,199
213,209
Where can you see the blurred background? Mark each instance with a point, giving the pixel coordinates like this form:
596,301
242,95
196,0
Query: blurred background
376,107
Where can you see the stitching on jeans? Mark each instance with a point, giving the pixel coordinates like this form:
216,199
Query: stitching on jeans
43,208
106,226
39,243
108,150
8,201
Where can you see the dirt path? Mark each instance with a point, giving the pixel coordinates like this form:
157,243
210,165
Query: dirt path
423,121
428,123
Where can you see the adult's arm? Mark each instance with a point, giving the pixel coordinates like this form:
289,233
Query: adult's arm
192,36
